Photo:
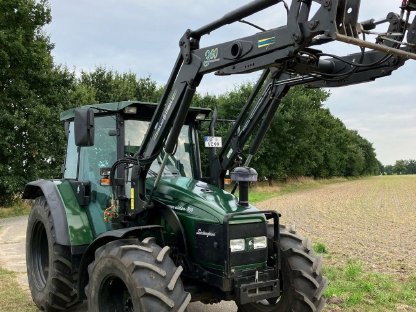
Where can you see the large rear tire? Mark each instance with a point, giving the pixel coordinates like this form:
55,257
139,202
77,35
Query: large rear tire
302,281
131,276
49,267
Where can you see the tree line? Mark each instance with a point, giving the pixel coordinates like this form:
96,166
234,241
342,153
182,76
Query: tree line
400,167
304,138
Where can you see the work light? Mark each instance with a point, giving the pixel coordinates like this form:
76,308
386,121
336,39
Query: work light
237,245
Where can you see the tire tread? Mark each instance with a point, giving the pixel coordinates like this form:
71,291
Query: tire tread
60,292
162,290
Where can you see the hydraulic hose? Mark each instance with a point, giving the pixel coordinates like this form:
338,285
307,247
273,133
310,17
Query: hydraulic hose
234,16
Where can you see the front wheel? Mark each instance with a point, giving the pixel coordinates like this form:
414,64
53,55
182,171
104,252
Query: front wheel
129,276
302,282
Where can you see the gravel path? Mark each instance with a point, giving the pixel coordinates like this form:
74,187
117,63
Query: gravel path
12,247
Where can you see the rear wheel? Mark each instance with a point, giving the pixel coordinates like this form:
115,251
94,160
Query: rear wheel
128,275
49,266
302,279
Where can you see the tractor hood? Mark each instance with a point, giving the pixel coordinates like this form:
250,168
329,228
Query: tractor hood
202,201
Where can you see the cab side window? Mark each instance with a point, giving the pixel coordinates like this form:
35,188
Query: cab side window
102,155
71,161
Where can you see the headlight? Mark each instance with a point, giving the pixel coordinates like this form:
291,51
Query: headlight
237,245
260,242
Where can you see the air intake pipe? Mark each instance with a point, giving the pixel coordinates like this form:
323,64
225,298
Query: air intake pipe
243,176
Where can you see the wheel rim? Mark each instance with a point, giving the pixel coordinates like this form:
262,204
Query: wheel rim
114,296
40,255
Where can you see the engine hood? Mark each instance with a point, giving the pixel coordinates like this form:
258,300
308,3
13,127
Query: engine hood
203,201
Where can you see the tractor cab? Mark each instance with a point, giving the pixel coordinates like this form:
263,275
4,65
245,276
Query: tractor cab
99,135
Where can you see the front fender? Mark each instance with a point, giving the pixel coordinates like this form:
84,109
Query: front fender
103,239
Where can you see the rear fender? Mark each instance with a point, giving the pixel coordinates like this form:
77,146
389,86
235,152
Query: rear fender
69,218
53,198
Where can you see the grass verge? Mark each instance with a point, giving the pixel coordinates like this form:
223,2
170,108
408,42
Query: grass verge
20,208
262,191
353,289
13,297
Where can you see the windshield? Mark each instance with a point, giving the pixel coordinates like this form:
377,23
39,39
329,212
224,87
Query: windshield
178,165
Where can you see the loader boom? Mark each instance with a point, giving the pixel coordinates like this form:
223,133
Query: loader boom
286,52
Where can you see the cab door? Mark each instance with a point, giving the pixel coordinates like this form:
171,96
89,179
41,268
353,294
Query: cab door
102,154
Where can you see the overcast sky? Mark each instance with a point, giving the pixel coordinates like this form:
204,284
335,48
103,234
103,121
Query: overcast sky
142,36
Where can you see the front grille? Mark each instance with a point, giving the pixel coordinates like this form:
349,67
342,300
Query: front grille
247,230
211,244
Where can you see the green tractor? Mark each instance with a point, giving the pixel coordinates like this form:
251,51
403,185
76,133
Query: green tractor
195,238
133,225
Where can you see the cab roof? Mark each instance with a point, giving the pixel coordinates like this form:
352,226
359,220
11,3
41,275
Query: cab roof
144,107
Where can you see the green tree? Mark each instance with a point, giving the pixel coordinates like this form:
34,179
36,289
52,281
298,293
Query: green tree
304,139
104,86
411,166
32,94
400,167
292,145
389,169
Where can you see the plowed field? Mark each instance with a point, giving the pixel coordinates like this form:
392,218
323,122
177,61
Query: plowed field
370,220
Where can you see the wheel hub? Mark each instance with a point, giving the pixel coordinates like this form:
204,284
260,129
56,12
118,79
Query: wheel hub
114,296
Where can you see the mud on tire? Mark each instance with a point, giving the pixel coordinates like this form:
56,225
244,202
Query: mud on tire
302,280
49,267
129,275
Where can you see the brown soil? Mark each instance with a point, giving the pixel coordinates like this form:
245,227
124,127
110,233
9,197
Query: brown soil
371,220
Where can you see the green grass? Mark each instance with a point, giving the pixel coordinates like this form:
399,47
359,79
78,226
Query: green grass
320,248
353,289
19,208
262,192
13,297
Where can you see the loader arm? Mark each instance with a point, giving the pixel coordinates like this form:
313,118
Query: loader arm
254,120
288,50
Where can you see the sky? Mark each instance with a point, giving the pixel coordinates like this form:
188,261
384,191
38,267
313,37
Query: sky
142,37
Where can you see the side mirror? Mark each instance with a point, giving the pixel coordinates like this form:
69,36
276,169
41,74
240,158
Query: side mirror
84,127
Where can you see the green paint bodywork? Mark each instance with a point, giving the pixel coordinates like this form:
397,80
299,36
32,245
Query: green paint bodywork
79,228
211,204
195,202
95,210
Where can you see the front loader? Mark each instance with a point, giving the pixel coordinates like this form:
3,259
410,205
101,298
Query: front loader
133,225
